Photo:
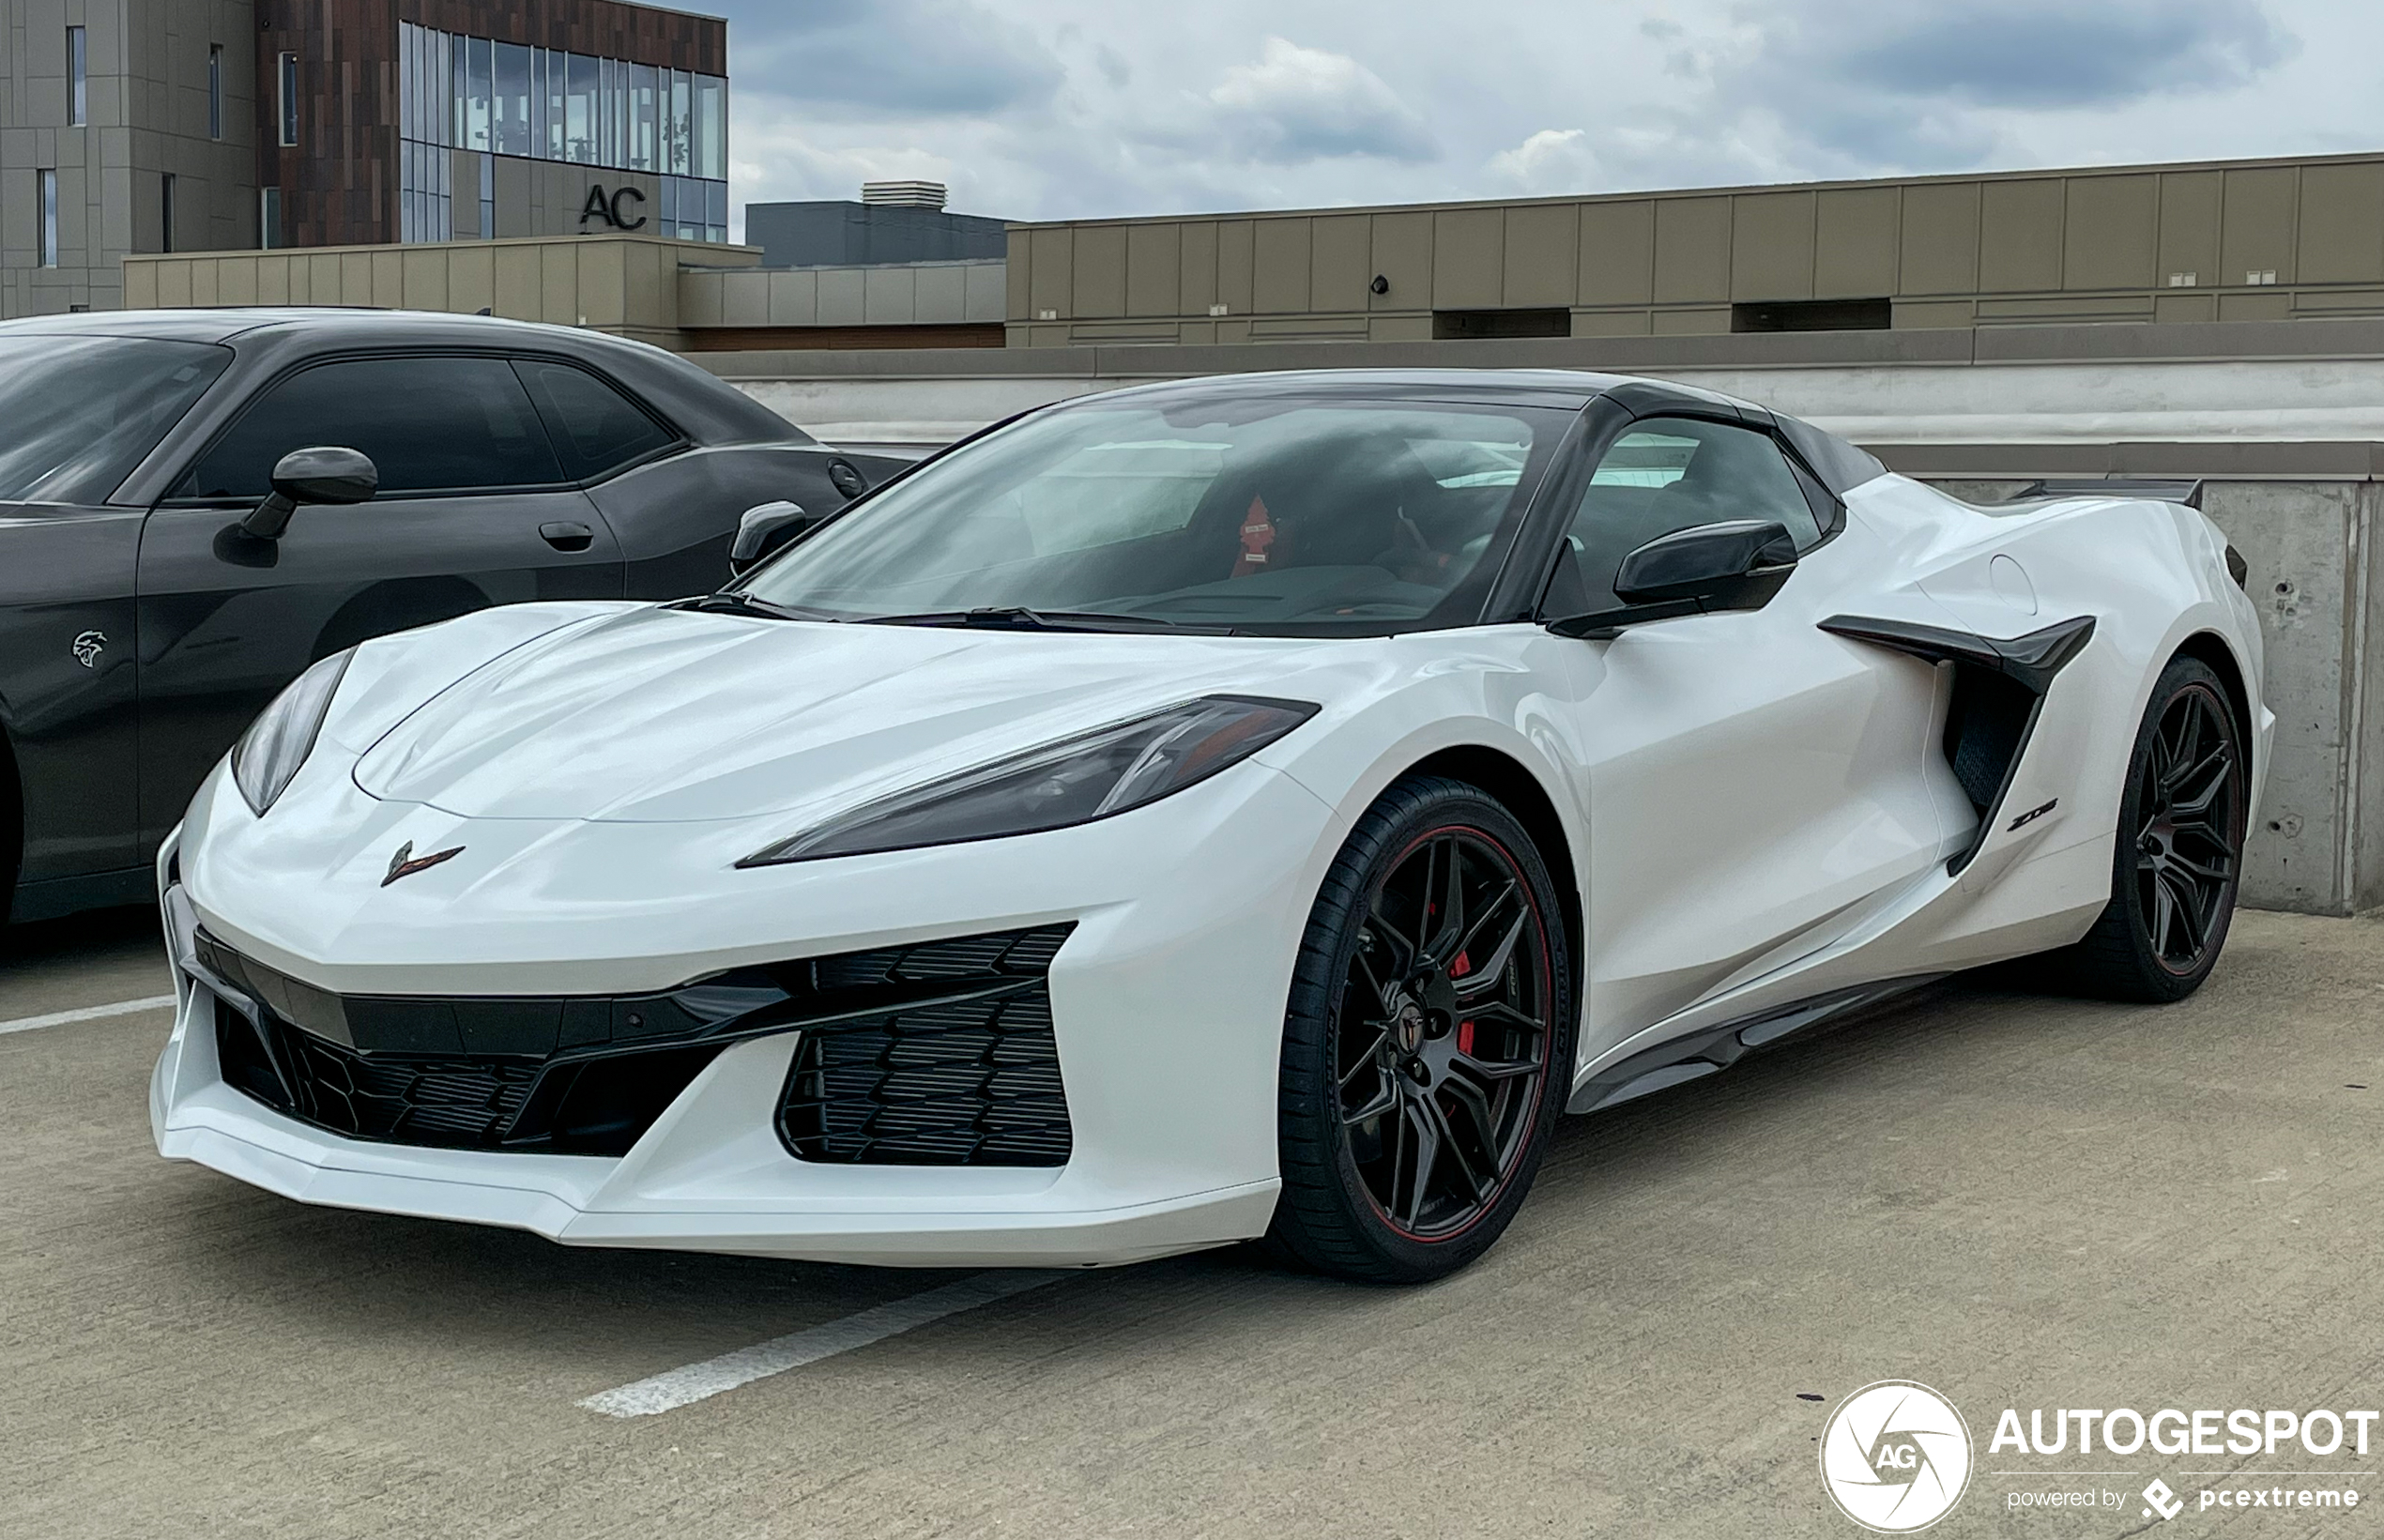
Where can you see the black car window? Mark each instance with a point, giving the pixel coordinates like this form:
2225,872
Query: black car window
1675,472
430,424
78,413
595,428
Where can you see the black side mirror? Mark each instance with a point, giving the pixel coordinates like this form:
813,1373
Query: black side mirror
323,475
1734,565
764,530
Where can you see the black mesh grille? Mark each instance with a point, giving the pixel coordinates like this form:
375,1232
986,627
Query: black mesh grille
974,1082
939,1053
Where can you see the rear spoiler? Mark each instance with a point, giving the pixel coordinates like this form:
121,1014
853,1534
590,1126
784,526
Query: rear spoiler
2187,492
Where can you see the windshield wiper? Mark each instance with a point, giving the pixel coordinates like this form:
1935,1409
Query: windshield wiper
745,603
1018,618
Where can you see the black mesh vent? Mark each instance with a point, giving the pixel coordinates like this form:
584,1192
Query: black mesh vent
935,1054
974,1082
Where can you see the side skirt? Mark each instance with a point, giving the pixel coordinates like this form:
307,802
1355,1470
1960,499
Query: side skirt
1712,1048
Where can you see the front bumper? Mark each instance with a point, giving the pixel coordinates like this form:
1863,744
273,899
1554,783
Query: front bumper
1166,1005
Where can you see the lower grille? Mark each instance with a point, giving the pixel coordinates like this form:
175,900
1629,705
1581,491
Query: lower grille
973,1082
586,1106
936,1054
422,1100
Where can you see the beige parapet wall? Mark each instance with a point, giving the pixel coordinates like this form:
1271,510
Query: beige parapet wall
2228,241
629,285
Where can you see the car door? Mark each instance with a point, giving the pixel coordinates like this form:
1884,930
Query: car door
1755,785
476,508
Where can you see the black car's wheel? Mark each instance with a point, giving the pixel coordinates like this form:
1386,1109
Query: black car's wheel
2181,847
1429,1047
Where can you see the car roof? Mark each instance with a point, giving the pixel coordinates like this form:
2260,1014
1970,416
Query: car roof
706,407
224,323
1840,464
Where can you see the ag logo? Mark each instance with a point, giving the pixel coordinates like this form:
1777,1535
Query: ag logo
1895,1456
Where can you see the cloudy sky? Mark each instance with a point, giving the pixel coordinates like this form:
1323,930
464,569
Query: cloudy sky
1051,109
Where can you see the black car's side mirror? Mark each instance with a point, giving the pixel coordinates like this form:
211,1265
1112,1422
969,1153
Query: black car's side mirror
323,475
763,530
1734,565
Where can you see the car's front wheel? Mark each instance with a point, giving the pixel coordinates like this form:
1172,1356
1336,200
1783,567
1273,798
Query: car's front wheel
1428,1044
2181,847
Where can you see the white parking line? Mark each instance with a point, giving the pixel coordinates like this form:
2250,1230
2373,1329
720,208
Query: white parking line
89,1013
697,1382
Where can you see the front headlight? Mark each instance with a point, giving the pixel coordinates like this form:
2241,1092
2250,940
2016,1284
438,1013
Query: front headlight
279,741
1074,781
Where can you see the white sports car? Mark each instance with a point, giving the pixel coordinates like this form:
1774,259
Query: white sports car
1248,807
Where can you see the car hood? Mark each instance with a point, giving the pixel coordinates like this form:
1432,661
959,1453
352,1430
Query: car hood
658,715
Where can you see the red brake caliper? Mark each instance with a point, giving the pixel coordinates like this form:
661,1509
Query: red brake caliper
1457,969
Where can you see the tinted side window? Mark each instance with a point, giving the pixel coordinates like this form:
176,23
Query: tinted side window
593,425
1675,472
430,424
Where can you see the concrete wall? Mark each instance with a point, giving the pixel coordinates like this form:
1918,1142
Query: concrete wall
146,117
624,284
2295,439
915,294
2219,242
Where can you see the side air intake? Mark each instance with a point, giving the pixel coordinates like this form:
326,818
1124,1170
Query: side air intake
1999,691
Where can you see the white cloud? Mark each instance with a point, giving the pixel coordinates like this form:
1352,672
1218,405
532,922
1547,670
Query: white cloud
1550,161
1296,104
1045,109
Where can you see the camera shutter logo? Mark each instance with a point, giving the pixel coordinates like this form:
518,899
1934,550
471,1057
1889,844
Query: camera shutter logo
1895,1456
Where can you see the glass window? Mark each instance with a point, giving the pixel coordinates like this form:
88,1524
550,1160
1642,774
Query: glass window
488,197
430,424
165,212
78,84
595,428
711,127
557,82
1675,472
80,412
46,193
215,91
641,117
538,101
479,66
1254,514
268,217
288,73
682,131
511,135
579,111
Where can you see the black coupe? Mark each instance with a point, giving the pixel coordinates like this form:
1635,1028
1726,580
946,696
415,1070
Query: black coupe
162,574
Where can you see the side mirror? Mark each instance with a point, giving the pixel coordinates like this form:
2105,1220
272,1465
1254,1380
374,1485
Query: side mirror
1735,565
763,530
323,475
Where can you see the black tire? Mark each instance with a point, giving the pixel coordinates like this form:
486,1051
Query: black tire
1466,1067
2173,879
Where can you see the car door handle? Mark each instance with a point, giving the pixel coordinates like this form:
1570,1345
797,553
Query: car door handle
565,536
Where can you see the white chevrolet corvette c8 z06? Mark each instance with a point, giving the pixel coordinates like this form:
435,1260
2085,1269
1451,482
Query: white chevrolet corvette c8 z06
1245,807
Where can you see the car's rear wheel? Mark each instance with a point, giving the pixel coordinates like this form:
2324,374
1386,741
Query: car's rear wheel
1428,1045
2180,856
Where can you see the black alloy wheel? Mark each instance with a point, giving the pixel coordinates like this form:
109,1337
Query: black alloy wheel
1428,1047
2180,856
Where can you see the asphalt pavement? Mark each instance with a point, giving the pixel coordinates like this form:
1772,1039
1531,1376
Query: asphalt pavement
2020,1200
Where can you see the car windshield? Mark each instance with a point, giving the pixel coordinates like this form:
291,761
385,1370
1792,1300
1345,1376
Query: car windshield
1314,516
78,413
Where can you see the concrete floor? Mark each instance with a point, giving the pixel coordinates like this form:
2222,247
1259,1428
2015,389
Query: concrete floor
2022,1201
